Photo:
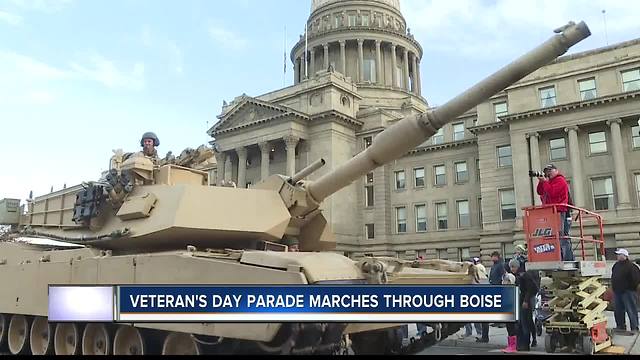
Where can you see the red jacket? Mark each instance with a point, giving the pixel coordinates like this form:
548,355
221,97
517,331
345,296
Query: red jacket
554,191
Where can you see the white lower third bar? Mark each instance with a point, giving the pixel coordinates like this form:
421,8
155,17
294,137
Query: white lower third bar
317,317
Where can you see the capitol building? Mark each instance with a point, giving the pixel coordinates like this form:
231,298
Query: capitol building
459,194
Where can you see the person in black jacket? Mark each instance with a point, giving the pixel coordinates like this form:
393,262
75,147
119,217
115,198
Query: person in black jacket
528,291
625,277
496,274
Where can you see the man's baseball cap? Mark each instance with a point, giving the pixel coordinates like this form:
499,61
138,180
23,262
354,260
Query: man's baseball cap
550,167
622,252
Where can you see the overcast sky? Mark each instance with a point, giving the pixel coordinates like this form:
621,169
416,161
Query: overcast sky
79,78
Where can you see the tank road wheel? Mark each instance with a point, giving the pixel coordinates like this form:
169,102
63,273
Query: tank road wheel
96,340
4,329
67,339
41,336
128,341
18,335
180,344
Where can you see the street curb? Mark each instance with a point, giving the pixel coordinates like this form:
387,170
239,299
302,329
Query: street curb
633,345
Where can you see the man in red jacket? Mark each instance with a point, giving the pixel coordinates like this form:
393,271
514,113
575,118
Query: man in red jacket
553,189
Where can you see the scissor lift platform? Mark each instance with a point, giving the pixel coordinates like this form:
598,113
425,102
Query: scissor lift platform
577,321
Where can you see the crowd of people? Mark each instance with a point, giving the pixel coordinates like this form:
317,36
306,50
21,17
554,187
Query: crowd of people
521,336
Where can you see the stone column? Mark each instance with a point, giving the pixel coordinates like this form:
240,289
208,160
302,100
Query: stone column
361,59
326,57
291,142
407,81
379,75
220,162
622,181
577,181
522,182
312,67
394,66
343,58
242,167
265,149
414,88
534,150
419,77
228,169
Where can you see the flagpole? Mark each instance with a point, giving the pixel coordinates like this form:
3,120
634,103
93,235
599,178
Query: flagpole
284,46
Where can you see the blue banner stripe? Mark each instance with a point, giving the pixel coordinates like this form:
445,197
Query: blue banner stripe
337,299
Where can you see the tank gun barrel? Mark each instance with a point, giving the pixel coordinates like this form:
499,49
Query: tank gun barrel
307,171
412,131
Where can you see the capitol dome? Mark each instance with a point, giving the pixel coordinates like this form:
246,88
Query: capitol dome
317,4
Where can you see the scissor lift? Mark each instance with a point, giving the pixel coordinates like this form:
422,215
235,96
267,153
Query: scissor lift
577,321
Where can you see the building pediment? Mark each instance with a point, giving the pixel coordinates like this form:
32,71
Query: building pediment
252,112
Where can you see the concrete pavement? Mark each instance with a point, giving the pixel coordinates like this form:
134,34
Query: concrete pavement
498,340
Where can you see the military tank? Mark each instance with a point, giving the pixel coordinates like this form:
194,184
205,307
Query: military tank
151,223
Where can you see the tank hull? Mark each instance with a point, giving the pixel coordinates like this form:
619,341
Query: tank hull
41,266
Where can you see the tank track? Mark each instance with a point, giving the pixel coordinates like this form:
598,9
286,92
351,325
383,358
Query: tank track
23,335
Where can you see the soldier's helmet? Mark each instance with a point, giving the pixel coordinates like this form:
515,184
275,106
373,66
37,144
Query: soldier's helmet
152,136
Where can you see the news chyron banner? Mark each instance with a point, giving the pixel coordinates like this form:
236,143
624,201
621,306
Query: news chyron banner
255,304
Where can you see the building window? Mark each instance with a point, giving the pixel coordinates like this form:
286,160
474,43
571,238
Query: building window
337,21
635,134
442,215
371,231
462,173
508,250
352,20
421,218
370,178
558,149
603,194
438,138
365,20
504,156
508,204
442,254
441,175
500,109
548,97
370,70
401,220
598,142
419,177
480,212
368,141
631,80
464,254
478,170
401,183
369,193
588,89
458,132
464,219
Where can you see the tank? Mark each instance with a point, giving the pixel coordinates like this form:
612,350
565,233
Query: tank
150,221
